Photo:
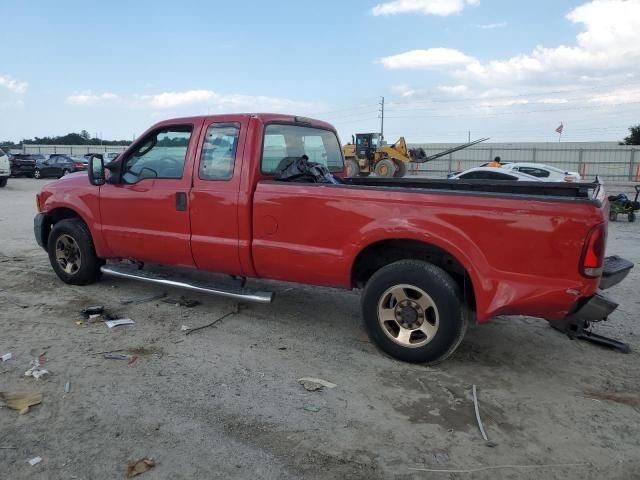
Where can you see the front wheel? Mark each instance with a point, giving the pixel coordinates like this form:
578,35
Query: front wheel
37,174
413,311
65,172
72,254
632,217
385,168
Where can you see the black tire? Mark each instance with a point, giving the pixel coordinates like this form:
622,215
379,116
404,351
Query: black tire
613,216
66,171
36,174
352,168
443,292
385,168
632,217
89,268
401,169
3,181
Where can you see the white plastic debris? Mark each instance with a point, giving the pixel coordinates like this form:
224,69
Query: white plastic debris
36,371
184,328
121,321
313,384
35,461
67,387
6,356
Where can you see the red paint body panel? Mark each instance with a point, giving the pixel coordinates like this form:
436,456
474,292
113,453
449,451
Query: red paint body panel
522,255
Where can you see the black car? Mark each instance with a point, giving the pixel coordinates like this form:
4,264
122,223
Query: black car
22,165
58,165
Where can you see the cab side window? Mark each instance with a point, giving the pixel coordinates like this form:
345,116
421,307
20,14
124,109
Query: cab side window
219,151
162,155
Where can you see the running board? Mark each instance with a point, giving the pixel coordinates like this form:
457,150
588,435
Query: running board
229,291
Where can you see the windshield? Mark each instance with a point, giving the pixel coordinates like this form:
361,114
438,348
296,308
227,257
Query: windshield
282,141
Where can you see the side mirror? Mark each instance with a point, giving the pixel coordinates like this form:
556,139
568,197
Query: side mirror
96,171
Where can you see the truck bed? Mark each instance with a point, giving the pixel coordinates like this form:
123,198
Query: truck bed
560,190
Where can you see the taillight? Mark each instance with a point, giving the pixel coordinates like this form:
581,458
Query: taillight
38,206
79,165
569,178
593,252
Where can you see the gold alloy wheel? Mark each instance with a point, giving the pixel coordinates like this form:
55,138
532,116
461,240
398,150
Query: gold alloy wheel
408,315
68,254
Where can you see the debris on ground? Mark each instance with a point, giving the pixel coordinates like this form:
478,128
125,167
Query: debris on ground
67,387
121,356
36,371
183,302
311,408
138,301
95,310
184,328
120,321
136,467
34,461
477,409
237,310
314,384
6,356
20,401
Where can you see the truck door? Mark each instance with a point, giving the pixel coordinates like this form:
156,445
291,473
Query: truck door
146,216
214,198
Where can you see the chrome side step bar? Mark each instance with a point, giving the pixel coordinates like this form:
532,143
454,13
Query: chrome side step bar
228,291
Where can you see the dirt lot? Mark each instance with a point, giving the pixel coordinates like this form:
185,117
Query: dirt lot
224,402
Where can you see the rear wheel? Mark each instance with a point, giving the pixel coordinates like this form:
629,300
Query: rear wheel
352,167
385,168
613,216
72,254
632,217
401,169
413,311
3,181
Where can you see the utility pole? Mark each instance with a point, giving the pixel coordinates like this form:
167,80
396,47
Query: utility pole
381,118
469,137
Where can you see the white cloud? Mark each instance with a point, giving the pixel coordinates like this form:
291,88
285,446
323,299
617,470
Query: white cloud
617,97
608,43
440,8
432,58
12,84
492,26
223,102
453,89
88,98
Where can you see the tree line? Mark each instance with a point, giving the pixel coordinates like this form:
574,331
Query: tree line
82,138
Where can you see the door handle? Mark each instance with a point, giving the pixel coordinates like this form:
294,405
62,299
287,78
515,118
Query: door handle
181,201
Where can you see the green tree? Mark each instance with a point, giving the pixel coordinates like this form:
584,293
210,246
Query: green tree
85,135
634,136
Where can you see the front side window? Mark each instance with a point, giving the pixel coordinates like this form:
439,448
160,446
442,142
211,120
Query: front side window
284,141
162,155
219,151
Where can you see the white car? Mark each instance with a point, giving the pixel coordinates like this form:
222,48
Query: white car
5,168
494,173
543,172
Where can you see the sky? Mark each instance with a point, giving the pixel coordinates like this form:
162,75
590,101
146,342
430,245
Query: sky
447,69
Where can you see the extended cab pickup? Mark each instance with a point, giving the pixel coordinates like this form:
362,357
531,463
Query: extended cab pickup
430,255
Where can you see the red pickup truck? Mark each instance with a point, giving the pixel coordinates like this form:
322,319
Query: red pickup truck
430,255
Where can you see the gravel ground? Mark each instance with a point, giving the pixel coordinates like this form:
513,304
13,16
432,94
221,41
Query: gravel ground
224,402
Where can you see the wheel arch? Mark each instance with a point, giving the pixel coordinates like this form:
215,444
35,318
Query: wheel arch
54,216
384,252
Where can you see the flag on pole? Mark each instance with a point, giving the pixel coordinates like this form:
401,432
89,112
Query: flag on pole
560,128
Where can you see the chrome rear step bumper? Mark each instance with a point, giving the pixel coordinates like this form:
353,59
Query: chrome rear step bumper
228,291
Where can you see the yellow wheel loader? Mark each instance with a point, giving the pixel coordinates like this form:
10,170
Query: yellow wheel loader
368,153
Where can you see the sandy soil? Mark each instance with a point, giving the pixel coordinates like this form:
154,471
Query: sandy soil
224,402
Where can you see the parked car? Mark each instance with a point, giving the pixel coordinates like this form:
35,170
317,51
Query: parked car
58,165
546,173
430,255
5,168
22,165
492,173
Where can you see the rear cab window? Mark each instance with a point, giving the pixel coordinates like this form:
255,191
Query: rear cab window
284,141
219,151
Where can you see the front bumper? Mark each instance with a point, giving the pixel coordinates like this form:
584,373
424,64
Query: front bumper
39,224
